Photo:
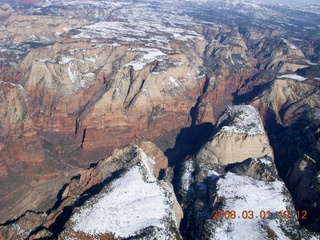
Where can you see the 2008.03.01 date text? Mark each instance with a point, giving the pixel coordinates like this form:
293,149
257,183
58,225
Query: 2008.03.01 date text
250,214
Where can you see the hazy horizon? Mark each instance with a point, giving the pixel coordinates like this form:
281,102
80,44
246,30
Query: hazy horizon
295,2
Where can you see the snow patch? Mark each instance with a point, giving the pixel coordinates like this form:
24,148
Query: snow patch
291,46
130,205
146,160
136,65
265,161
43,60
90,75
114,45
150,54
72,76
245,119
92,59
293,77
19,230
186,178
65,60
173,81
240,194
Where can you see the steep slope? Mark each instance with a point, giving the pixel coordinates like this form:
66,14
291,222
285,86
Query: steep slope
99,75
237,130
304,183
119,197
231,200
132,206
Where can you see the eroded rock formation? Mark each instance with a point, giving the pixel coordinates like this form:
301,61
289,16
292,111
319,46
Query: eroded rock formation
229,199
128,179
239,135
79,80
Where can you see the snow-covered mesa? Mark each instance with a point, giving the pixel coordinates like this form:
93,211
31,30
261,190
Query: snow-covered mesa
142,23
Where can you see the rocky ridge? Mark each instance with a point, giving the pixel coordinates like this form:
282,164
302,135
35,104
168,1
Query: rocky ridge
111,181
79,80
237,129
120,197
208,188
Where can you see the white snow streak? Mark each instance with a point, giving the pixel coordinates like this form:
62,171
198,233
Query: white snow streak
150,54
293,77
291,46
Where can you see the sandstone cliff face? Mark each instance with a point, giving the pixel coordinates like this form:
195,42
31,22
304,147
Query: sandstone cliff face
239,135
85,101
15,118
288,99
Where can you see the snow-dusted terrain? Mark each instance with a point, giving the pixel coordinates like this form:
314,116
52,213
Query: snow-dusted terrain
243,194
142,23
243,119
188,57
129,205
149,55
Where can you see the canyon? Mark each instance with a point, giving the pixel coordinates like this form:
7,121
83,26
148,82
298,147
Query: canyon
229,89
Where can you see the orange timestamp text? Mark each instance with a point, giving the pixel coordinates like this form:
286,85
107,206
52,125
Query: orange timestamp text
250,214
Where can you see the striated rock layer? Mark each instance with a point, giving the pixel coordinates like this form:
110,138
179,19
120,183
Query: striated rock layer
239,135
81,79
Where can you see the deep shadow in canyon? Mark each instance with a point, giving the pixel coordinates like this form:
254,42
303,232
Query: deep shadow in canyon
188,142
290,144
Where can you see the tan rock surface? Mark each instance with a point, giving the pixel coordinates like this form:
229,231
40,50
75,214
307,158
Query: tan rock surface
288,99
152,151
239,136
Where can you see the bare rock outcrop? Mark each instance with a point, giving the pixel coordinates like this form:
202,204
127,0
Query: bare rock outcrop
15,119
239,135
287,98
23,226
